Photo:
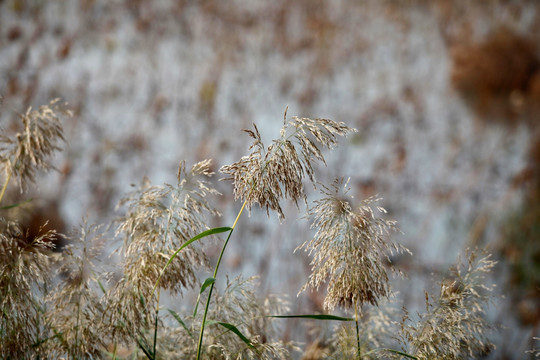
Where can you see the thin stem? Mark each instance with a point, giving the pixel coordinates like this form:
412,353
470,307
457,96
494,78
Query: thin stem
201,335
77,326
358,353
238,216
156,322
5,184
169,221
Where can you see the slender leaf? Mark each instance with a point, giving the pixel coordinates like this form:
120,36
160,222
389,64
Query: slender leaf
15,205
193,239
314,317
100,284
209,281
142,300
57,334
401,353
232,328
155,331
139,341
180,321
146,351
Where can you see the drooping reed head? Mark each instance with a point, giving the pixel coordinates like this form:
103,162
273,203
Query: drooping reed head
32,147
270,174
351,248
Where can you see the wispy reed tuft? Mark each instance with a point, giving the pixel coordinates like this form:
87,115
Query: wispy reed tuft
25,271
240,306
75,307
158,221
376,330
270,174
351,249
454,325
31,148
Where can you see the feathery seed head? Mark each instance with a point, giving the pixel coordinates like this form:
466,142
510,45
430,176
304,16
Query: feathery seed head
350,247
76,304
158,221
24,275
453,326
270,174
237,301
31,148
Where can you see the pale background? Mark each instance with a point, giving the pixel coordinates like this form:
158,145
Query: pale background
156,82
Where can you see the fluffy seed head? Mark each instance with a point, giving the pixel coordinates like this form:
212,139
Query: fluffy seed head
453,325
270,174
31,149
351,249
158,221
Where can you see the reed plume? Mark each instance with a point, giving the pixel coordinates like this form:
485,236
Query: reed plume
75,307
31,149
159,220
351,249
453,325
268,175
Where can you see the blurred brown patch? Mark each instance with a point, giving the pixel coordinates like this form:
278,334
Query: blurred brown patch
14,33
207,97
65,48
35,221
498,76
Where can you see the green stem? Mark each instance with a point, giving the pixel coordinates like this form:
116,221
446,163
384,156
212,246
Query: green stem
201,335
358,353
156,322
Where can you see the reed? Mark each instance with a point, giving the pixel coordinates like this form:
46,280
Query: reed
66,305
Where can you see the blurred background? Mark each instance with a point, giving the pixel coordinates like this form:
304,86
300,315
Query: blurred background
445,95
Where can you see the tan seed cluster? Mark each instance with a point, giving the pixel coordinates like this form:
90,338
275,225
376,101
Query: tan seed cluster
31,149
270,174
351,249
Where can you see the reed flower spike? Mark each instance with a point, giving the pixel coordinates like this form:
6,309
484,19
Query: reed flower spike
31,149
25,271
270,174
351,249
158,221
454,325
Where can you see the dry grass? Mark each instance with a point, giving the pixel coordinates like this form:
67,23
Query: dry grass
268,175
351,249
67,306
31,148
453,325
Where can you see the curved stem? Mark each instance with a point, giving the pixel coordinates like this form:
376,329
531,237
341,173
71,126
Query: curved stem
201,335
5,184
